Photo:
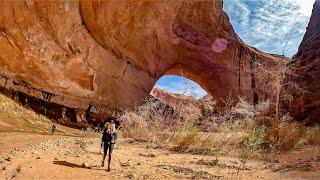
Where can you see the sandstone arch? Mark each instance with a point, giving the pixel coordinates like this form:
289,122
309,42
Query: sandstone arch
105,56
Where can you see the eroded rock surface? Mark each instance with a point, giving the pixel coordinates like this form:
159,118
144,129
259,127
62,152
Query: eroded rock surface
101,57
306,104
176,101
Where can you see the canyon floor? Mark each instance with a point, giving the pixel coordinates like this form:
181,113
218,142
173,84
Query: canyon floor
28,151
35,156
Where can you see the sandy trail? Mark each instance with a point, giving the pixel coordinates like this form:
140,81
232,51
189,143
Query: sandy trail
33,156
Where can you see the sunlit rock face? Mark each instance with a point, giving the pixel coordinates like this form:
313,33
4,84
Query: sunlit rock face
176,101
105,56
306,104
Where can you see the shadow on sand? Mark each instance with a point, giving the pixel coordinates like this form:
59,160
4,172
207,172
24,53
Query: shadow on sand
73,165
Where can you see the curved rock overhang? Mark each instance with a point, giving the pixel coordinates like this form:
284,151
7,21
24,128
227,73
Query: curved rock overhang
104,57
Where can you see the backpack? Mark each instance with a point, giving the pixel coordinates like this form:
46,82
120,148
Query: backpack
109,137
114,138
106,137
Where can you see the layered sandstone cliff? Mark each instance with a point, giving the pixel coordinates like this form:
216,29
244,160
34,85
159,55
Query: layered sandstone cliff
176,101
102,57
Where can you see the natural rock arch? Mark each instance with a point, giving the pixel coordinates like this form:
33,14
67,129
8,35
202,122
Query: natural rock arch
105,56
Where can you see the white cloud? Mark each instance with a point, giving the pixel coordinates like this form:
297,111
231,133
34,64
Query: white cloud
305,6
264,24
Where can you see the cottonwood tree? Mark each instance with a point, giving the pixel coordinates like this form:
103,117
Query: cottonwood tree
278,83
277,77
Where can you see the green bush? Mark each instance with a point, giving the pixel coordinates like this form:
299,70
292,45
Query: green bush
252,144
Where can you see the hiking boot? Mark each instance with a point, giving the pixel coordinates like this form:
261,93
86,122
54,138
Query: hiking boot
102,164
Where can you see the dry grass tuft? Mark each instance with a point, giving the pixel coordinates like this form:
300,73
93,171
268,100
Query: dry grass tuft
284,136
313,135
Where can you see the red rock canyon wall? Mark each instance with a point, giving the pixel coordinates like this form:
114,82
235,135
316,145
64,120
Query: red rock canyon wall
103,57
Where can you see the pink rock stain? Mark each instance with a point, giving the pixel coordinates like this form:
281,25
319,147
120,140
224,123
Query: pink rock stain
219,45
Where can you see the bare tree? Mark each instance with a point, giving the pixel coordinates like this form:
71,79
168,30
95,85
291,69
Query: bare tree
189,88
278,82
284,43
277,76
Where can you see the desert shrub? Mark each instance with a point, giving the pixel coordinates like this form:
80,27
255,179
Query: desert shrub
188,137
284,136
238,125
244,110
241,126
208,106
180,132
253,143
150,123
238,118
313,135
135,126
264,114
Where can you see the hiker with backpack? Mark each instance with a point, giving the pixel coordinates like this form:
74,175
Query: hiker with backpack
109,138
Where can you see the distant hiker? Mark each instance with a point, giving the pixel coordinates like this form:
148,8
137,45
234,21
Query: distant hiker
109,138
53,129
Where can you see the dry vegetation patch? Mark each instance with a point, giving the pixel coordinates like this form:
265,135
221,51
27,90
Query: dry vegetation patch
240,128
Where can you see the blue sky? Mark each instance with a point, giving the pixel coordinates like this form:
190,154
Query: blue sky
265,24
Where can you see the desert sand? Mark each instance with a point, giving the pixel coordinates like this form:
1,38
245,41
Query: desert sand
35,156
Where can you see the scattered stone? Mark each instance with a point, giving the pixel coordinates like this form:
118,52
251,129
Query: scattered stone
189,171
18,170
8,158
85,165
300,166
216,163
126,164
132,176
147,155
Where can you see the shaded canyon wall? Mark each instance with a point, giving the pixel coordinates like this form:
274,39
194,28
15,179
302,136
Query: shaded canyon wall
306,66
